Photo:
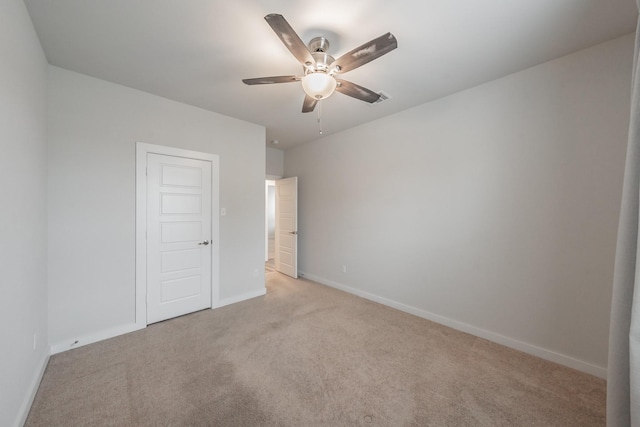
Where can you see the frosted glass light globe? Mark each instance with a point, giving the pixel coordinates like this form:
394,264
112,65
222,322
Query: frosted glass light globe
318,85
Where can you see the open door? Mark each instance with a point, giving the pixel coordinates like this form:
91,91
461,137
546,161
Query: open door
286,257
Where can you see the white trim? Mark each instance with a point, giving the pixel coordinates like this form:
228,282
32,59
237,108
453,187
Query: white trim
23,413
142,149
540,352
240,298
95,337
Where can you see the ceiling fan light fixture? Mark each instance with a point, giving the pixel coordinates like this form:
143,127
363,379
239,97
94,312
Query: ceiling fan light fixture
319,85
320,68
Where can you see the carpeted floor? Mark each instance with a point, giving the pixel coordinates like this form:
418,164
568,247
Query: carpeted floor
308,355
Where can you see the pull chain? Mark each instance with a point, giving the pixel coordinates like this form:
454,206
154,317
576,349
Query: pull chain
319,117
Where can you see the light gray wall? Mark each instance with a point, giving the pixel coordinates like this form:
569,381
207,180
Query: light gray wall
495,208
23,304
275,162
93,128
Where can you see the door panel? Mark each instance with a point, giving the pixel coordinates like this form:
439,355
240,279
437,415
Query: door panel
178,222
181,176
174,232
186,287
286,256
180,260
181,204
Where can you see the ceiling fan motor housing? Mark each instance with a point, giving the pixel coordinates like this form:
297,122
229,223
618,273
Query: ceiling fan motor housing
318,46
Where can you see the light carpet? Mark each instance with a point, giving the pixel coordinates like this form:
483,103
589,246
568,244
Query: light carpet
309,355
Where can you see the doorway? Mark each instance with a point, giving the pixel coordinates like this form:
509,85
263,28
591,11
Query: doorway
281,226
270,224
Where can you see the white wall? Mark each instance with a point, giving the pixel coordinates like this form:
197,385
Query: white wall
275,162
23,304
93,128
493,210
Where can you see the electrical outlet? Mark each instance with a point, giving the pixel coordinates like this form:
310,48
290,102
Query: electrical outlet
344,268
223,212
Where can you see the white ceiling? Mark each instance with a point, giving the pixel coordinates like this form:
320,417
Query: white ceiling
197,51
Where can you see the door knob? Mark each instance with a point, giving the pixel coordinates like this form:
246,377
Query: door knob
205,243
293,232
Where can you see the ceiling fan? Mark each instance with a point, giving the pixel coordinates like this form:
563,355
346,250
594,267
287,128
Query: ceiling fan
321,70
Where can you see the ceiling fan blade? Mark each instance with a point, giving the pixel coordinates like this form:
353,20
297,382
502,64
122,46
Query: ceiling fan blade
365,53
309,104
290,39
356,91
271,80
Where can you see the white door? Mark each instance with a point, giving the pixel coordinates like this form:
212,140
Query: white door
286,257
178,236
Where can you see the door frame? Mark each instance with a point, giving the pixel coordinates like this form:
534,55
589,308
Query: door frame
142,149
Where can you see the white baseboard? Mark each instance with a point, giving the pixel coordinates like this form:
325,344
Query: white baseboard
542,353
95,337
125,329
243,297
23,413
